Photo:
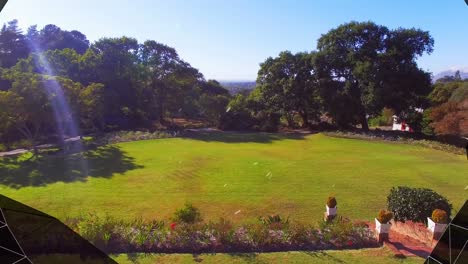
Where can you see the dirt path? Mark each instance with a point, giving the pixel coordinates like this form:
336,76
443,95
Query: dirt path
404,243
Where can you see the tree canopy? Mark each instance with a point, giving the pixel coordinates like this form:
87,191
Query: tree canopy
358,71
287,85
365,67
113,83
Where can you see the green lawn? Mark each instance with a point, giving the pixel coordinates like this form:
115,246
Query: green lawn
251,174
380,255
364,256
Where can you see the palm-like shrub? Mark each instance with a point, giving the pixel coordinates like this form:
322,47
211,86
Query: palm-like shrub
384,216
331,202
188,214
439,216
274,221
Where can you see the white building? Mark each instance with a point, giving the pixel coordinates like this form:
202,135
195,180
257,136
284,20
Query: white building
401,125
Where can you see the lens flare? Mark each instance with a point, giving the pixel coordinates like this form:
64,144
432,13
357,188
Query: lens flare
67,127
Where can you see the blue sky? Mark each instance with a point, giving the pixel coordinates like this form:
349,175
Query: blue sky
227,39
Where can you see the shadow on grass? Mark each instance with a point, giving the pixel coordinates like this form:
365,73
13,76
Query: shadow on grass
246,257
241,137
133,257
323,255
102,162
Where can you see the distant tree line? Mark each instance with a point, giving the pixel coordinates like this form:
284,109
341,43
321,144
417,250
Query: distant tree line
238,87
111,84
448,114
357,70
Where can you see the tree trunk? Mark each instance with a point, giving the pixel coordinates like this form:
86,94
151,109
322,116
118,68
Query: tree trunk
364,124
305,119
290,119
161,100
160,114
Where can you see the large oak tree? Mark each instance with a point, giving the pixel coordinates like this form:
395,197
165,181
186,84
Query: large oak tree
287,85
364,67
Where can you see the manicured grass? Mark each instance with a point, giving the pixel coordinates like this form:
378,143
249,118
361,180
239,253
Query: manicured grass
364,256
251,174
380,255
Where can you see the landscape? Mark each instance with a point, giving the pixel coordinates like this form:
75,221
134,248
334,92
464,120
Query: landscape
346,151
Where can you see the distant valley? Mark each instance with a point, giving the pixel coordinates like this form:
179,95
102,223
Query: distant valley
236,87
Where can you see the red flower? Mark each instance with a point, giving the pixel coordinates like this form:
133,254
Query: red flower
173,225
350,243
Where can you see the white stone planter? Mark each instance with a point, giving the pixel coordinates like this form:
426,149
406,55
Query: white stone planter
382,228
435,227
331,211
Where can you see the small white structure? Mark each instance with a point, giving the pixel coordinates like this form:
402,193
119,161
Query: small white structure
331,211
400,125
330,214
382,228
435,227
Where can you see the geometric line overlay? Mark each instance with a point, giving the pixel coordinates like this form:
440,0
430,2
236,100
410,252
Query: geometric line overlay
452,248
29,236
10,249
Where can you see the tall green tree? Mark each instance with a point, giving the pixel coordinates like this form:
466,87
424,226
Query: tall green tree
13,45
52,37
364,67
168,78
117,68
442,91
26,106
287,85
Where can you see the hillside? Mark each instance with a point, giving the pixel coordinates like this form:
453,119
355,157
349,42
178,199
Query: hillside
463,74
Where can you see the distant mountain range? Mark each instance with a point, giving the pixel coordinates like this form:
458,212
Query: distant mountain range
463,74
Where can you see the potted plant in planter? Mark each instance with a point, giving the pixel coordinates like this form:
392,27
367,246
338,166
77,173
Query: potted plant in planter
437,223
331,208
382,224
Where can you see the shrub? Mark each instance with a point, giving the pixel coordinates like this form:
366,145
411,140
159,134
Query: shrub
125,136
274,221
384,119
426,123
238,115
267,122
340,230
331,202
23,143
415,204
448,118
384,216
439,216
95,228
223,230
188,214
236,121
300,233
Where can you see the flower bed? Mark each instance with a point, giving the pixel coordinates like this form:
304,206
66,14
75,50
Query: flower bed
222,236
